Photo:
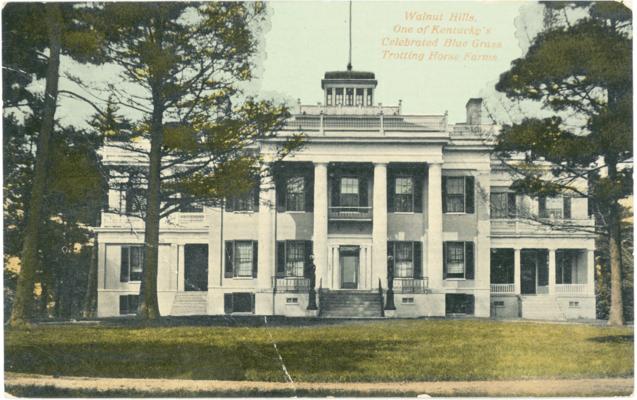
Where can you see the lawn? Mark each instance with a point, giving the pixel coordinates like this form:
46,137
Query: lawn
407,350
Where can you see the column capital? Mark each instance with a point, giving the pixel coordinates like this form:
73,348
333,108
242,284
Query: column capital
320,163
380,164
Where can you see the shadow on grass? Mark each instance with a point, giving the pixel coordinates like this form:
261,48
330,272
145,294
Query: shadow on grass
613,339
187,360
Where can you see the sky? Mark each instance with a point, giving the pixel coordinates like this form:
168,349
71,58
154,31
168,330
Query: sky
308,38
303,39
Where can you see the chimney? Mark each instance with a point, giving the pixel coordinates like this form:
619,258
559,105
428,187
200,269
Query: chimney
474,111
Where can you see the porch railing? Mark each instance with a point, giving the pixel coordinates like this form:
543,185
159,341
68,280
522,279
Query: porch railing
411,285
502,288
571,288
542,290
291,284
350,213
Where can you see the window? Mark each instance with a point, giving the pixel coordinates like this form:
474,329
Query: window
191,208
349,195
498,303
455,195
238,303
292,256
339,96
369,97
503,205
246,202
406,258
458,260
502,266
132,262
350,96
404,194
408,300
458,303
359,97
135,201
573,304
128,304
241,258
295,194
292,300
330,97
458,194
565,261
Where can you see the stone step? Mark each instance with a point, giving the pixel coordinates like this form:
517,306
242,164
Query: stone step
350,304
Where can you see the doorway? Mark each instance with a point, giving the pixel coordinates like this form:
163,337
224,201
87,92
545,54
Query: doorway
196,267
349,260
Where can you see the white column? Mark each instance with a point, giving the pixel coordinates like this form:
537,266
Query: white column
590,272
181,268
551,271
267,233
320,223
434,228
215,247
517,269
379,227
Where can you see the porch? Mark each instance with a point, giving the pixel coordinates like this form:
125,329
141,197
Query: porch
555,272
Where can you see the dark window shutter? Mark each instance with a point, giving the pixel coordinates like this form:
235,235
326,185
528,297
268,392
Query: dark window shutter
469,304
567,207
391,191
469,186
255,258
513,209
123,266
309,251
230,204
444,195
229,269
280,258
227,303
418,259
252,302
133,303
469,258
417,193
123,305
256,193
280,193
335,191
309,193
444,260
362,191
543,268
390,253
542,206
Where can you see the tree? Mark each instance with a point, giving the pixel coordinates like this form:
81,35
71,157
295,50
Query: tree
579,69
31,29
182,65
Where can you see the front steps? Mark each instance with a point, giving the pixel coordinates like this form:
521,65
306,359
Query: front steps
541,307
190,303
350,304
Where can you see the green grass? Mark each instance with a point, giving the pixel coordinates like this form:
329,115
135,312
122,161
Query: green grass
415,350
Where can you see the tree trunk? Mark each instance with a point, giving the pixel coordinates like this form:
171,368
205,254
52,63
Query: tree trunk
148,305
23,306
616,313
90,297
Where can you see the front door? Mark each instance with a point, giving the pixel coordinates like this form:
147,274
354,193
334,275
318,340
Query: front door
349,259
196,267
528,273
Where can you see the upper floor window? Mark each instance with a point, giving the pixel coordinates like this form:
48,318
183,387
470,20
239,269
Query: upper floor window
359,97
369,97
241,258
248,201
404,194
554,207
339,97
330,97
132,263
458,260
350,96
295,193
349,193
458,194
503,205
135,201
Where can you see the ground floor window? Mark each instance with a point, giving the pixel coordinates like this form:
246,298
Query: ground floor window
458,260
502,266
292,256
238,302
241,258
128,304
459,303
131,263
406,258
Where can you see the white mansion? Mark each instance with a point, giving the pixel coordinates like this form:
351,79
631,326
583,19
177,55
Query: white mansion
373,198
